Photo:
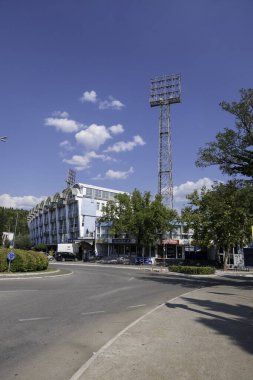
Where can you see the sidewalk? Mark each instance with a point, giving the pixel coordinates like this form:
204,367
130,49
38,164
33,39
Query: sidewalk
204,334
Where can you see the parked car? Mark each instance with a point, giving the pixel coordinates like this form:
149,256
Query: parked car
50,258
65,256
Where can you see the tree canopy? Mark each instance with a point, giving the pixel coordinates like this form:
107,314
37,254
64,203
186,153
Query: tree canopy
221,216
232,150
13,219
139,216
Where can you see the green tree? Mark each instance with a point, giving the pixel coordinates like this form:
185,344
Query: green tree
23,242
139,216
40,247
222,216
13,219
232,149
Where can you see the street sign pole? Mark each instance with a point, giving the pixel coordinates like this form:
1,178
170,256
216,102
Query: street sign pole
10,257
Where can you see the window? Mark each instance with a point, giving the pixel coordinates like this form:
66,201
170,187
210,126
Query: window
88,192
98,193
98,205
105,195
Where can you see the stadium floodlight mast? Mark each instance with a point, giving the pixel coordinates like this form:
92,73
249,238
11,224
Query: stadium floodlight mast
164,91
71,179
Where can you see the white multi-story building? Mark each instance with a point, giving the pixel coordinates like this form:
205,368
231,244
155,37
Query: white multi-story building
69,216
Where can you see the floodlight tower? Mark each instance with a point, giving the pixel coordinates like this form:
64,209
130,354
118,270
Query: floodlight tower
71,179
165,91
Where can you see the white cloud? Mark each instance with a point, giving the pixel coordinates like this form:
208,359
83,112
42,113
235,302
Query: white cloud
111,103
112,174
116,129
94,136
188,187
60,114
66,145
122,146
82,162
63,125
89,97
25,202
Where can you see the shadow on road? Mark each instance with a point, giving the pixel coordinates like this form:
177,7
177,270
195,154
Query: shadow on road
234,320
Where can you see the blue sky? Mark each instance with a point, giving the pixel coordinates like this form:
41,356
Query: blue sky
75,78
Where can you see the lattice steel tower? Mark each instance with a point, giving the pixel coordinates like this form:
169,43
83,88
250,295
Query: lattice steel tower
165,91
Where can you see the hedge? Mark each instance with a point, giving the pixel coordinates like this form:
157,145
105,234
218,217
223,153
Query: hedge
25,261
191,270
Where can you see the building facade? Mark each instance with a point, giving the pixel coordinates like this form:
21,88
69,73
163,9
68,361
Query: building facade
69,216
174,245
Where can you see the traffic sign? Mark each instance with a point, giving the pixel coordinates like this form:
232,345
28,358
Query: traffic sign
11,256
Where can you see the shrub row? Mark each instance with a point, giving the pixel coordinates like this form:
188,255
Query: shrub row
25,261
191,270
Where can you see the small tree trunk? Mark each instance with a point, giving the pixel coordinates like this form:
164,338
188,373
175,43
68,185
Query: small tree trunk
225,263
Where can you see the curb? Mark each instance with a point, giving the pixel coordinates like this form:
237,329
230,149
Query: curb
27,275
80,372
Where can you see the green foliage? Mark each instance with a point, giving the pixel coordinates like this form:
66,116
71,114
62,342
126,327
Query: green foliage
221,216
23,242
25,261
232,149
139,216
191,269
11,219
40,247
3,259
7,243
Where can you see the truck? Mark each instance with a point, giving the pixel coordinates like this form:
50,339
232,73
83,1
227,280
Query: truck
68,247
67,252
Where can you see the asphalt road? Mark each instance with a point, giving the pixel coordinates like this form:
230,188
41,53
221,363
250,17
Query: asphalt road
51,326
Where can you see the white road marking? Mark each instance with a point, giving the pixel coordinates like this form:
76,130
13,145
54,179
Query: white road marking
94,312
110,292
132,307
131,278
33,319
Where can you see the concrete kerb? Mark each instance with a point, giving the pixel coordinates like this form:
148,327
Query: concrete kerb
202,334
163,270
29,275
80,373
153,269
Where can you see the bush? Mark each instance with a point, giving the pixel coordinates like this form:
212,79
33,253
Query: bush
25,261
40,247
191,270
3,260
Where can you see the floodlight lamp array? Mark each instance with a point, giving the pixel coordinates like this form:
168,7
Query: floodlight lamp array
71,179
165,90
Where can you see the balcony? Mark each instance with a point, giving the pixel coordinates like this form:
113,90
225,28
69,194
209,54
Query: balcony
62,230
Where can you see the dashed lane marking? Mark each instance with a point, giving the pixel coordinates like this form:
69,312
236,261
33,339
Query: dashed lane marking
33,319
94,312
136,306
